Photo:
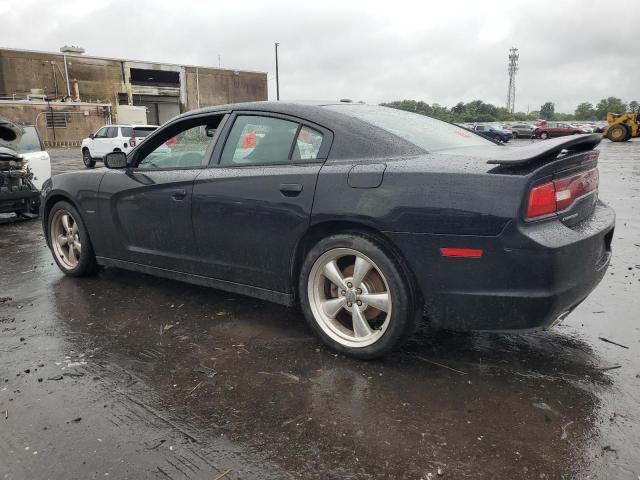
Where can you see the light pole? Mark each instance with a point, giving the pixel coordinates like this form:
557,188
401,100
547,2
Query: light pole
277,78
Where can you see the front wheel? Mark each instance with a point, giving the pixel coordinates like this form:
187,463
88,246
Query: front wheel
619,133
356,297
69,241
88,161
514,135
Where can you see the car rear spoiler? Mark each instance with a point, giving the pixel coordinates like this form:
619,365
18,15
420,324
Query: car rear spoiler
548,148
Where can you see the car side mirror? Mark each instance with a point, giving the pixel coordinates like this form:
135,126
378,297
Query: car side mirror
91,136
115,160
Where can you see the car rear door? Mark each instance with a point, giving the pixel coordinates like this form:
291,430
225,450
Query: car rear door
254,203
145,210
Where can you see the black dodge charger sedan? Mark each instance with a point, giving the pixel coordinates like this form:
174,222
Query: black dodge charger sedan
369,218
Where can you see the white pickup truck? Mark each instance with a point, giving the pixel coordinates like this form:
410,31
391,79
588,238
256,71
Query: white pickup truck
112,138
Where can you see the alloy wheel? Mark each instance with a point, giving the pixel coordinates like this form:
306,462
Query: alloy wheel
349,297
65,239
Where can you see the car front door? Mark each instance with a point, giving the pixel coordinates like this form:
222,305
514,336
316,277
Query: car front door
253,205
554,130
146,209
98,145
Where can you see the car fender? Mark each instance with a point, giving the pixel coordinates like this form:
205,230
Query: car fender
81,189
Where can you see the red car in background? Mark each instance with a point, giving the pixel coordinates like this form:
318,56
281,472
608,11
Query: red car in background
555,129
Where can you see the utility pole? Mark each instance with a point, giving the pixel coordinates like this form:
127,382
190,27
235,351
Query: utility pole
277,78
66,50
512,70
66,74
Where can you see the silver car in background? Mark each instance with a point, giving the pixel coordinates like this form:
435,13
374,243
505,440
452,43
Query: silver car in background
521,130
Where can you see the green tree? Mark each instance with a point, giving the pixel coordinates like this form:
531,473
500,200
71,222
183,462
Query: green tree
610,104
459,108
564,117
547,111
633,106
585,111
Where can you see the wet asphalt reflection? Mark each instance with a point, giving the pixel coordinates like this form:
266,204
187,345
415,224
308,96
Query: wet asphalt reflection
138,377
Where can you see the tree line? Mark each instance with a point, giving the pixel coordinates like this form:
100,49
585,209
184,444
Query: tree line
479,111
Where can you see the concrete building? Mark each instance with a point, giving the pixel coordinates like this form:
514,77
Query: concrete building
69,96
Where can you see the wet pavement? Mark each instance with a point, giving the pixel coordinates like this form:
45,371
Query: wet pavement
124,375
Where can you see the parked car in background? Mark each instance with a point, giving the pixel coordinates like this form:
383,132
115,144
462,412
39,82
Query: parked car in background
112,138
585,127
35,155
556,129
494,133
368,217
24,167
522,130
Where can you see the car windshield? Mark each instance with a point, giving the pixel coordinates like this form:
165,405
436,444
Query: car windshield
428,133
30,141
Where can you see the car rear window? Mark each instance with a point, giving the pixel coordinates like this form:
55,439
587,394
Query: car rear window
428,133
142,132
30,141
138,132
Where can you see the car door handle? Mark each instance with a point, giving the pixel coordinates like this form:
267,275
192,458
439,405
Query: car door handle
290,189
179,195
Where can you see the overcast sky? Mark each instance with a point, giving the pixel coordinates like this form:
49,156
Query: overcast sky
439,52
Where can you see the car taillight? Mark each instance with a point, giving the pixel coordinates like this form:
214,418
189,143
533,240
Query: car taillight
570,188
132,141
558,195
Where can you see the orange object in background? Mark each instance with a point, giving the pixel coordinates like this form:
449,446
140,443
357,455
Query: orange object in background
249,139
304,136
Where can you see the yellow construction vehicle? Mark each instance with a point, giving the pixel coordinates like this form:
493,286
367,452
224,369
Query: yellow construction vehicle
622,126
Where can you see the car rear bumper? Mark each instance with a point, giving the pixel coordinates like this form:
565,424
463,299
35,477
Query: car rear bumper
529,276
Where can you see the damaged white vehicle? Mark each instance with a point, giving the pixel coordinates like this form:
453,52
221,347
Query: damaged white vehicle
24,166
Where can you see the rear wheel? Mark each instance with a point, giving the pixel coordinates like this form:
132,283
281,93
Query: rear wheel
356,297
69,241
86,158
619,133
544,135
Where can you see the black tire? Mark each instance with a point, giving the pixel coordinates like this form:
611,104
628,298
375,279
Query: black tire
406,311
514,134
86,263
88,161
544,135
619,133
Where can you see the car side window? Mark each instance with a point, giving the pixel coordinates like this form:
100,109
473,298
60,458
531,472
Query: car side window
127,132
101,133
181,148
259,140
112,132
307,145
